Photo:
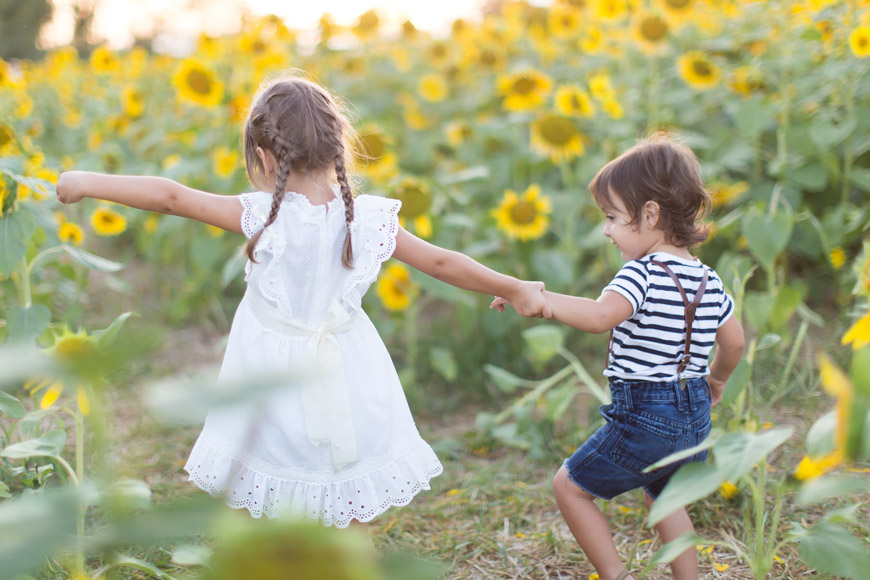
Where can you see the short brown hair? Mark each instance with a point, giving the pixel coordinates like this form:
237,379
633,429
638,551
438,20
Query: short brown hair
659,169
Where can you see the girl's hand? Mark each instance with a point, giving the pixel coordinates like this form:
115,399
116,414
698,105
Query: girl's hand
70,187
528,300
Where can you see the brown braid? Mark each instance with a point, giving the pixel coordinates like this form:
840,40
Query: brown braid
281,175
347,196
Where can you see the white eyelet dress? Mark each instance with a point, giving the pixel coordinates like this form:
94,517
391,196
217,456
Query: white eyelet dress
338,443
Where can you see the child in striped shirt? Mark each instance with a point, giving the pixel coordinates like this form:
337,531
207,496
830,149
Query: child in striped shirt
665,310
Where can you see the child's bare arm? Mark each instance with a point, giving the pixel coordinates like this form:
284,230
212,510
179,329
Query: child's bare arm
583,313
463,272
729,348
153,194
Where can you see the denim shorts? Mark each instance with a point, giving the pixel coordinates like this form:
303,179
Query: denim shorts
646,422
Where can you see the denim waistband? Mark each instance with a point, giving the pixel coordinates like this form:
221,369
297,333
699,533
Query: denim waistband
695,392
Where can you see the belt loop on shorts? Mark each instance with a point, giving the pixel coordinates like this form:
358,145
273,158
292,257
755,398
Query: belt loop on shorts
679,396
691,397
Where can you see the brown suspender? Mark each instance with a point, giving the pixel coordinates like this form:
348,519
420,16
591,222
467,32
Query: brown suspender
689,313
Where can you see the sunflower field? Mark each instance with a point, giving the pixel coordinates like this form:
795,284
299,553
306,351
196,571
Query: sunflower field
488,135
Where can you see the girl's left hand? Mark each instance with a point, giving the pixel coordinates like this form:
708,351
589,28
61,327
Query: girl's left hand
528,301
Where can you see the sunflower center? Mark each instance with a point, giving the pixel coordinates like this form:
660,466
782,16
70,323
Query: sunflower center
702,68
863,41
199,82
678,4
525,85
5,135
107,219
414,200
523,212
373,147
487,58
653,28
557,131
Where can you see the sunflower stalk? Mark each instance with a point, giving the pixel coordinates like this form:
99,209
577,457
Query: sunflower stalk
25,297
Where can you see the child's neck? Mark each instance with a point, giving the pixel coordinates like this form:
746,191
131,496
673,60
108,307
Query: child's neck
317,187
671,249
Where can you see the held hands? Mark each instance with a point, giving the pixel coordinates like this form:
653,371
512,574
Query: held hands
71,186
528,300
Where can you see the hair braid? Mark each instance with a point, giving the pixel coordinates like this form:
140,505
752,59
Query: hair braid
281,175
347,196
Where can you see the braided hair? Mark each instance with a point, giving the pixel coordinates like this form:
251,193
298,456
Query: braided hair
304,128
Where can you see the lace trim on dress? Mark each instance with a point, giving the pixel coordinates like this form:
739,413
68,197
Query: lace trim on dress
255,212
362,496
373,235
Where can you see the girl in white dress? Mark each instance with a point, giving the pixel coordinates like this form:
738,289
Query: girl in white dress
338,443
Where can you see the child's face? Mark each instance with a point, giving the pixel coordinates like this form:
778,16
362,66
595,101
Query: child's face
634,241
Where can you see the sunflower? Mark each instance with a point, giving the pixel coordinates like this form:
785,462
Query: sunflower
375,158
107,222
416,202
592,41
104,61
134,101
651,31
5,74
612,108
746,80
523,217
557,136
71,233
524,91
698,70
728,490
725,194
600,86
837,257
225,161
396,289
838,385
611,9
367,26
859,41
72,349
809,468
7,139
197,83
438,55
458,132
573,101
432,88
859,334
678,7
564,22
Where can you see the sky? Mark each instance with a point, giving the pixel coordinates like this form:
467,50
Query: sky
118,21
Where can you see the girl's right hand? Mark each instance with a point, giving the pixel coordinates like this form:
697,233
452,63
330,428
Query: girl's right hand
70,187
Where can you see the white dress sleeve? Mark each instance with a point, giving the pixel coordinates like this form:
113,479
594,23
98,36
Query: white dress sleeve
373,238
255,211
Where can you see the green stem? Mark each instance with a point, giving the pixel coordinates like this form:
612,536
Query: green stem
412,346
539,390
25,297
848,153
80,472
584,375
41,255
758,497
792,359
772,545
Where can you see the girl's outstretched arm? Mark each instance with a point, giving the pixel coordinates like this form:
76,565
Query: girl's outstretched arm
585,314
463,272
153,194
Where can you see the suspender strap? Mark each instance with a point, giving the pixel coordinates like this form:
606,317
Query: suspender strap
690,309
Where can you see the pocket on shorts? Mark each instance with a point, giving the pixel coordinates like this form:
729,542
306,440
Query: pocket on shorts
643,441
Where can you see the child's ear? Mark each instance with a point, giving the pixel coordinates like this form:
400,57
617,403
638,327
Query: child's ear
651,214
267,161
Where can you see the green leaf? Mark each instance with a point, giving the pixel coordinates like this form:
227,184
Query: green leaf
21,361
737,382
674,548
831,549
4,491
544,341
191,555
27,323
831,486
126,561
508,434
757,306
125,495
680,455
443,361
505,381
49,445
737,453
753,117
233,268
107,336
860,177
811,177
820,438
92,261
16,230
10,406
787,299
558,400
691,482
766,235
826,134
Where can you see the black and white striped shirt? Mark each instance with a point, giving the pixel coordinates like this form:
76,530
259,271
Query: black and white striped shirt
649,344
